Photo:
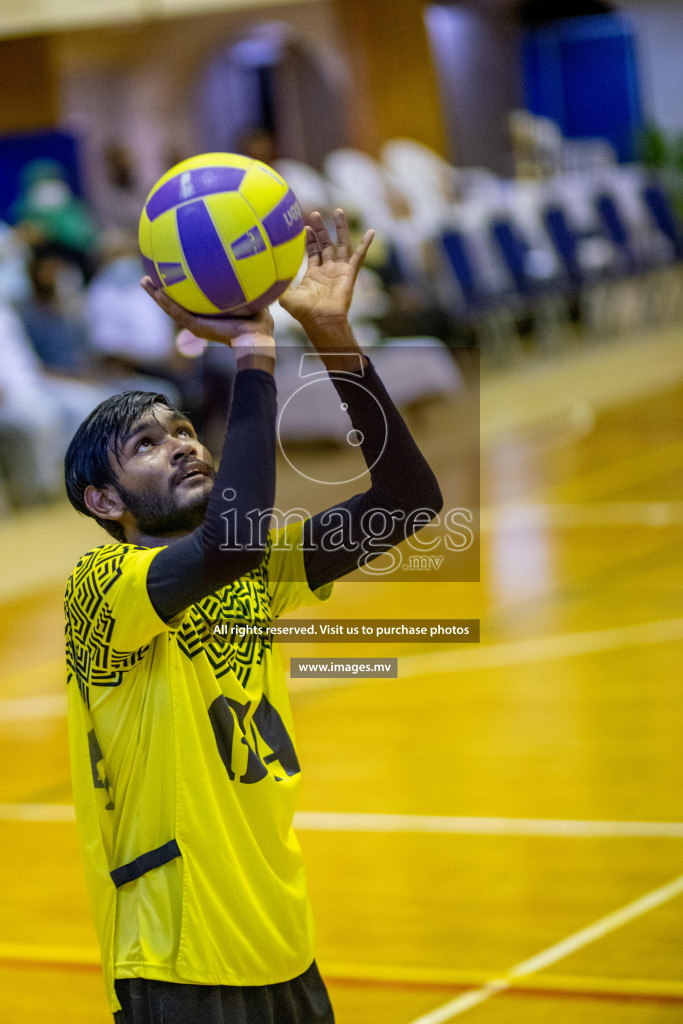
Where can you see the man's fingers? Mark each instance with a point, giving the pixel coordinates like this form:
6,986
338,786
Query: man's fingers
312,247
176,312
325,244
343,235
212,328
361,252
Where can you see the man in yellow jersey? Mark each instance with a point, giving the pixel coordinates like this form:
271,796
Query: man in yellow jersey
185,771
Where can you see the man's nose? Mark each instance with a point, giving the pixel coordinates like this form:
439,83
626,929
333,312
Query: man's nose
184,446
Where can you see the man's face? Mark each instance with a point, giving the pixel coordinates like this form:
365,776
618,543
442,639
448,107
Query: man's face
164,475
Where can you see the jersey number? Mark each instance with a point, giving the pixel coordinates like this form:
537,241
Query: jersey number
266,730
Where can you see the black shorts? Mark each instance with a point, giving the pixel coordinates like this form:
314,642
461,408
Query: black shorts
303,1000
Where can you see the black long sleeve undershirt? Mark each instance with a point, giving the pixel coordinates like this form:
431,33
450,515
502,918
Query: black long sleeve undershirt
214,554
401,482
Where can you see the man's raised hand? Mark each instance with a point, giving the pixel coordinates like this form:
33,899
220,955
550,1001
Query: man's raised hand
324,295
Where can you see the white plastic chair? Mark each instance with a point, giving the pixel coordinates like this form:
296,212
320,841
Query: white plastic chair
309,186
362,183
357,178
428,181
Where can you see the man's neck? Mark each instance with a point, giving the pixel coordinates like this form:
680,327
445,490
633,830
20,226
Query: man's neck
146,540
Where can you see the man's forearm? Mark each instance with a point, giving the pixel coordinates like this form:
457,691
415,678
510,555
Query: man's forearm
401,483
334,341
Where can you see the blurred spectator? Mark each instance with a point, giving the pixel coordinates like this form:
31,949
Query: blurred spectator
15,284
123,325
120,198
259,143
47,390
52,315
48,211
62,334
38,416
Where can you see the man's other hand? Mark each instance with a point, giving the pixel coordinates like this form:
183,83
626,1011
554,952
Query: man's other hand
222,329
324,296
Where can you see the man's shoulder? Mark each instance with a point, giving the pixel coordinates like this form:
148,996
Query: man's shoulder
100,566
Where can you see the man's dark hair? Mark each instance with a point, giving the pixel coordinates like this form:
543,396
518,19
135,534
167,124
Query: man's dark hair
101,435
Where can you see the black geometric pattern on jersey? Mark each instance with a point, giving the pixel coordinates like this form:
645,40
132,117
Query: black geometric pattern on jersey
245,600
91,660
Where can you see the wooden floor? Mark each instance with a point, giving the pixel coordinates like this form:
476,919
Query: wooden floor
491,835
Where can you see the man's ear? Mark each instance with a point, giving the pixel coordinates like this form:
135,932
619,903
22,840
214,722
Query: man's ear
103,502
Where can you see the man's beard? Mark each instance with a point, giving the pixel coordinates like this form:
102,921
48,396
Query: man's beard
161,517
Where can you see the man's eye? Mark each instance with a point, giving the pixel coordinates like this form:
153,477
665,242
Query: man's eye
185,432
143,443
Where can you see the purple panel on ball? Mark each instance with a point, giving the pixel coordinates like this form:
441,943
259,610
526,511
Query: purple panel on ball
273,293
151,271
206,258
204,181
172,273
285,221
248,245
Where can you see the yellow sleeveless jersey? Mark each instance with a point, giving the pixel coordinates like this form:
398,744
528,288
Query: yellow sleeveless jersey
185,775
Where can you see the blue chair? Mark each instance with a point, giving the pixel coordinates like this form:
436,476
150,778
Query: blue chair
483,310
566,243
462,267
515,251
615,229
546,300
662,213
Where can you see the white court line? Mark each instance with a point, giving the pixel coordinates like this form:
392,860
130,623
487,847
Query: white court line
37,812
597,930
333,821
466,657
568,515
475,657
18,709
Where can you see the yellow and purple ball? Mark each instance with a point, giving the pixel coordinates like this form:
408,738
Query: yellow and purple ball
222,234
